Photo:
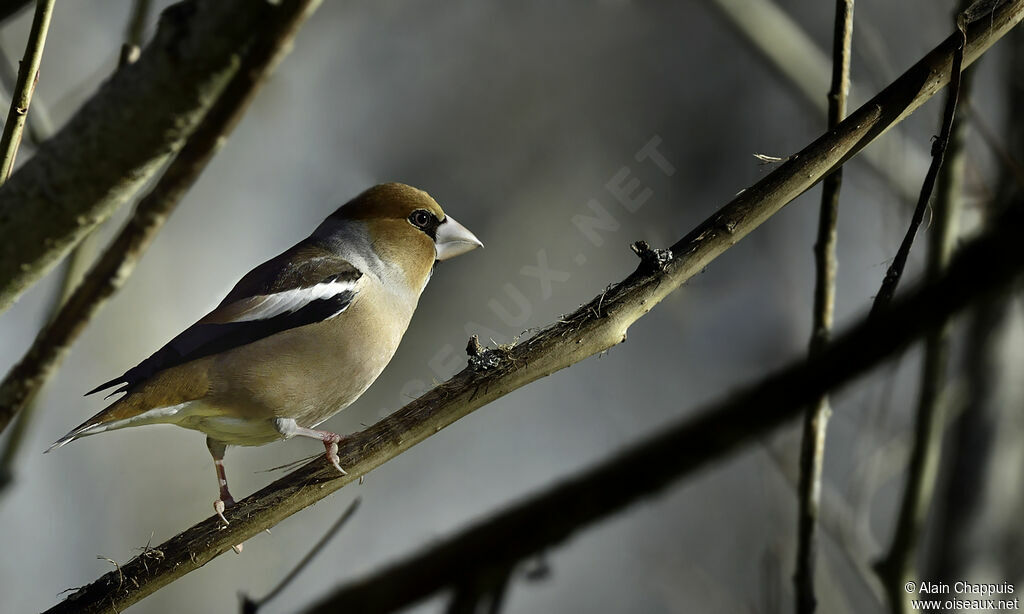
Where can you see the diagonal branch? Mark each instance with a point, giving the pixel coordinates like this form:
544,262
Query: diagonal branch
119,139
112,269
555,514
21,96
812,446
895,270
597,326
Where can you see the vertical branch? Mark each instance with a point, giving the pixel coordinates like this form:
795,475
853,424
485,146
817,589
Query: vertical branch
974,433
897,567
28,76
812,448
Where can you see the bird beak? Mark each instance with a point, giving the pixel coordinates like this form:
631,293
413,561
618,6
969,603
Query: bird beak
454,239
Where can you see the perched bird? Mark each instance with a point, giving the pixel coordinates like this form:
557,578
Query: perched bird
300,337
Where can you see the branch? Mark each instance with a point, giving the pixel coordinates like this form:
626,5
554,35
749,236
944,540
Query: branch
553,516
118,140
895,271
21,97
973,461
812,447
897,567
114,266
597,326
38,126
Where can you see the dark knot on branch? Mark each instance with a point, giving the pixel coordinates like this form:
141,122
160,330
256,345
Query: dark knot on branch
483,358
650,258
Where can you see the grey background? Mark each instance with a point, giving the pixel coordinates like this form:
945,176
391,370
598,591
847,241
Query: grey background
514,116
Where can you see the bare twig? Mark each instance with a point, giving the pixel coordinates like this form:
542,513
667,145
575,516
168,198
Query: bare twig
812,448
21,97
38,126
251,606
973,456
897,567
895,271
123,135
584,333
114,266
555,514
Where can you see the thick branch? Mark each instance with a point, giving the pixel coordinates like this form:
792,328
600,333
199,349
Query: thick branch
117,263
119,139
551,517
812,447
597,326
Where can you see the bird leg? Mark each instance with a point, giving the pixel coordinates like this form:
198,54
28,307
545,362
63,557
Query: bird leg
225,501
288,428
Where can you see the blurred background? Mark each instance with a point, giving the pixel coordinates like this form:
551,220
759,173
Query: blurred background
515,117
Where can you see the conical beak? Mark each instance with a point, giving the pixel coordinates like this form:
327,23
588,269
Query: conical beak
454,239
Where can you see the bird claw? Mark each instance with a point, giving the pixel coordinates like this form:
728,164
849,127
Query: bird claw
219,506
332,456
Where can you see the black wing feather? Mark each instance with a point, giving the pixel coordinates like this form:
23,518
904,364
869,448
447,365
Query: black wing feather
201,339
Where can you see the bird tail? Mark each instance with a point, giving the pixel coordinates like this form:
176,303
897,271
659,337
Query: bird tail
90,427
118,415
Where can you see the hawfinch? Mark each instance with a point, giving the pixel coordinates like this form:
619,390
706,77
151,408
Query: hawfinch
300,337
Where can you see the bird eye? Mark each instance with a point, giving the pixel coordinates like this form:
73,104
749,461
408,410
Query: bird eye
420,218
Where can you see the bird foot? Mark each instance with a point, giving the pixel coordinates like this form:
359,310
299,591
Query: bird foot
219,506
331,445
222,504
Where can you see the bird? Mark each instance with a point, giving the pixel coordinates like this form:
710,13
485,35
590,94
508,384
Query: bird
299,337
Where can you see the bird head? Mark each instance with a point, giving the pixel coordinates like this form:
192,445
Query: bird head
404,226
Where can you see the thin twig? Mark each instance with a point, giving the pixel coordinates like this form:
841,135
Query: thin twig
251,606
895,271
973,450
555,514
21,98
38,126
112,269
573,338
897,567
812,448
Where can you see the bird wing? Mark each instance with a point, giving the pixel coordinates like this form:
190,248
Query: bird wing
304,285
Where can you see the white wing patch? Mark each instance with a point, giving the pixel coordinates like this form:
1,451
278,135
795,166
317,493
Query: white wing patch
267,306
